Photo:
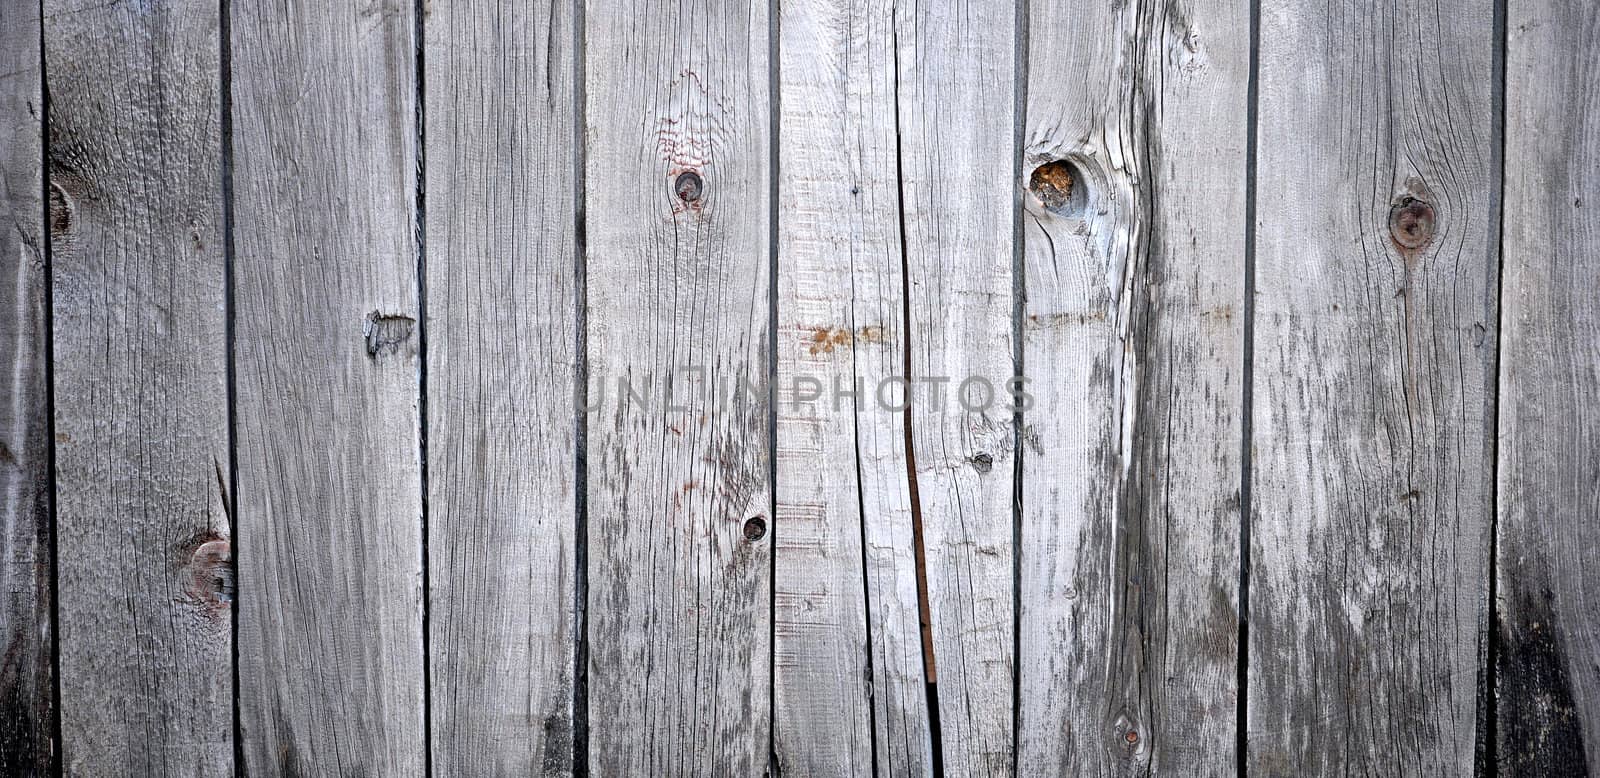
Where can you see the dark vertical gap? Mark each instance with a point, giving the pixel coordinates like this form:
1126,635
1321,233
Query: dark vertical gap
930,671
1019,302
56,749
773,113
225,43
1247,432
580,586
420,109
1490,747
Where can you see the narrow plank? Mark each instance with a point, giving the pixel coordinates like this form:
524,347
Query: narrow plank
1549,590
1135,146
502,365
845,562
677,200
1373,382
956,94
27,707
326,349
140,387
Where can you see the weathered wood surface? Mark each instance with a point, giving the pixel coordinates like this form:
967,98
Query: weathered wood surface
1374,353
693,580
501,323
847,662
1548,586
27,693
325,309
141,413
1133,339
677,183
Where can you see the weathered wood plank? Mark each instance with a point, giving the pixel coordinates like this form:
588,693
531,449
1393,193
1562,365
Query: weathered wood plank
678,204
502,364
956,110
1373,364
326,349
27,707
1549,589
1133,343
845,561
141,414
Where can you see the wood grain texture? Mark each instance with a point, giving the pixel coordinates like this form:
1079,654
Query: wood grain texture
956,111
27,707
1549,589
1374,351
1133,344
140,387
845,561
326,349
502,371
678,292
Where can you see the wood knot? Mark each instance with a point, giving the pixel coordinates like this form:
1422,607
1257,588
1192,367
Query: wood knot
982,462
755,528
208,570
60,211
386,332
1411,223
1058,186
689,187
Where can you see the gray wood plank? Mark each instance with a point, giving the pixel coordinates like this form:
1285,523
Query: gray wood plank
326,349
1135,147
1549,589
140,387
27,707
845,561
502,365
1375,326
956,92
677,201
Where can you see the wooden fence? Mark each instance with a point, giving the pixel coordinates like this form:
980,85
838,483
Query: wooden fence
487,387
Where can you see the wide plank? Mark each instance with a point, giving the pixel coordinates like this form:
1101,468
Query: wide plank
1133,344
141,402
27,689
848,660
1374,352
679,491
956,95
501,320
1548,594
324,161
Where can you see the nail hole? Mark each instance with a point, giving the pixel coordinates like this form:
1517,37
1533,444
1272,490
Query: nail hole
982,462
755,529
1132,737
1058,186
1411,223
688,186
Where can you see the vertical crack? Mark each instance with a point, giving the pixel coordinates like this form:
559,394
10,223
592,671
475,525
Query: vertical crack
231,499
919,547
48,243
1489,747
1242,677
421,237
580,243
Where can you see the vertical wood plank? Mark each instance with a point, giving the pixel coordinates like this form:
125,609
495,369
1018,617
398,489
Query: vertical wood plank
1549,590
502,365
27,708
140,387
677,199
1375,343
1133,343
326,349
956,110
845,562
